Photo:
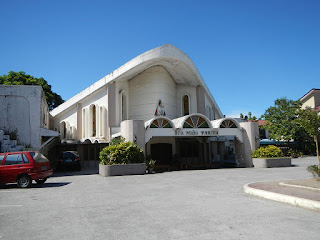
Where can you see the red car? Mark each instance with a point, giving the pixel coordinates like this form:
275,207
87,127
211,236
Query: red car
23,167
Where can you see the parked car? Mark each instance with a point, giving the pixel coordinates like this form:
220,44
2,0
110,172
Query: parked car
68,160
23,167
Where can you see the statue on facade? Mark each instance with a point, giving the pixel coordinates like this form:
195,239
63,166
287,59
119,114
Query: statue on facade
160,109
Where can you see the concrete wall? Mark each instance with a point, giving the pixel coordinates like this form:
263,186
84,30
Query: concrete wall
252,131
312,99
21,108
147,88
134,131
74,116
191,91
201,108
121,88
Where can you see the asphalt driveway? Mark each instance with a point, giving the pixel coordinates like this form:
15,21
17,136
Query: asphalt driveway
203,204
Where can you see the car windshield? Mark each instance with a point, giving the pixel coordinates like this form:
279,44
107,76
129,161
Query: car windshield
69,155
38,157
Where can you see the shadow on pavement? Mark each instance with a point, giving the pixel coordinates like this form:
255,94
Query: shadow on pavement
45,185
74,173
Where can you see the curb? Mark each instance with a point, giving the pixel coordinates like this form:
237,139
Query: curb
295,201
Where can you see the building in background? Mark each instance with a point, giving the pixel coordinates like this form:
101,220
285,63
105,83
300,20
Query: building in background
24,114
311,99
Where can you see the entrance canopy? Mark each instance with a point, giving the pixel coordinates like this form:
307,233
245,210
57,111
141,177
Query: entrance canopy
193,125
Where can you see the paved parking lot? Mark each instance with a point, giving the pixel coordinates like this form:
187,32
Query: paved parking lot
204,204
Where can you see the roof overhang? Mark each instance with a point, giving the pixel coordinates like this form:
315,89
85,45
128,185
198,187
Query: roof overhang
177,63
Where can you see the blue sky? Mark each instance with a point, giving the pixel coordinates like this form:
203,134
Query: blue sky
248,52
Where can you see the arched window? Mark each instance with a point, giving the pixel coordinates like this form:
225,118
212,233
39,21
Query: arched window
228,124
93,121
160,123
185,105
63,130
195,122
124,106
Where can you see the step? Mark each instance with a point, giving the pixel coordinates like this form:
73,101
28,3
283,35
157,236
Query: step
5,137
5,147
5,142
13,143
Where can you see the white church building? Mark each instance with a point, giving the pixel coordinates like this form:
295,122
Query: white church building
159,101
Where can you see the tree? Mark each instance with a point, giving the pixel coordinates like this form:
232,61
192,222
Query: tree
310,121
21,78
280,120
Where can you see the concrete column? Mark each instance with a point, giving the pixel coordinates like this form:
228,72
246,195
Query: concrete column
79,122
134,131
252,131
201,108
112,104
87,123
209,152
247,151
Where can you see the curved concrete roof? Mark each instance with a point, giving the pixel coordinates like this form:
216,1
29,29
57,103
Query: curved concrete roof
178,122
176,62
217,123
148,123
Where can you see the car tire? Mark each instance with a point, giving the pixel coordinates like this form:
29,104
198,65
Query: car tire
24,181
41,181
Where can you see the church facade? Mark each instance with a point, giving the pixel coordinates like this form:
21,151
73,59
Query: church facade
159,101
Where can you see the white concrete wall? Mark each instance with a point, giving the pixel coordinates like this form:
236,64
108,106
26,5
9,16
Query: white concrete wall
309,102
146,89
191,91
69,116
121,87
45,116
209,108
20,109
252,130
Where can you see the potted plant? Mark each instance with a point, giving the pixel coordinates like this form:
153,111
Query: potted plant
124,158
150,165
270,156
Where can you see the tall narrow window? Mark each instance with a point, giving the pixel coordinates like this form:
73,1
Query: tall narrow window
185,105
124,108
63,130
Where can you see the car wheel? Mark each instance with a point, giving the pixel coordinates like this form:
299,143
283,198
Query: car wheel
24,181
41,181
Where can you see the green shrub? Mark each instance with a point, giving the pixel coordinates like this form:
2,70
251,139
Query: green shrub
267,152
121,153
295,153
314,170
116,141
